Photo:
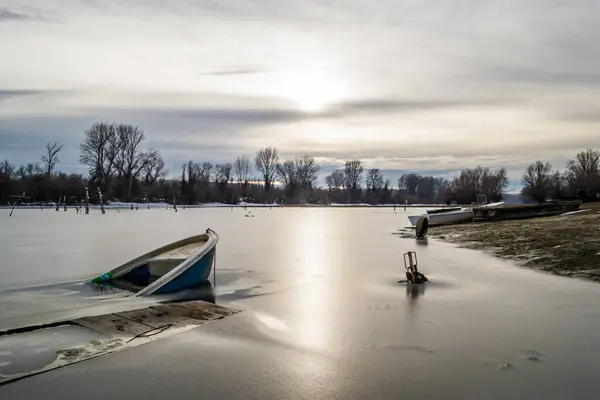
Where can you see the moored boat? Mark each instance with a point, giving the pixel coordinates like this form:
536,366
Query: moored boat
445,218
522,211
441,210
177,266
492,205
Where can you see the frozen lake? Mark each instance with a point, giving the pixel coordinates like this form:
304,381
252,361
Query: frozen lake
323,314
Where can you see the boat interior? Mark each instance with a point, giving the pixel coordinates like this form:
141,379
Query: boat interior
155,267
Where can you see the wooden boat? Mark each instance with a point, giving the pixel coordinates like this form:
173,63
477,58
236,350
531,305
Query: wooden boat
441,210
522,211
445,218
171,268
447,209
492,205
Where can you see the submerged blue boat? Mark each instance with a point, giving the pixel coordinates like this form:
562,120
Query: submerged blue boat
177,266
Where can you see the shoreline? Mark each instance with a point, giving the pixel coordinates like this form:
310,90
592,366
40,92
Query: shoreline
144,206
564,245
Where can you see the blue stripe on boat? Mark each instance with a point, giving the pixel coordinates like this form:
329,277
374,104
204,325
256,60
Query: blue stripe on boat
193,276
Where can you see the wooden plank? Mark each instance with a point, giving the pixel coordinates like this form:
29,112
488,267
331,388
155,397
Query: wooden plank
130,329
154,319
112,325
198,310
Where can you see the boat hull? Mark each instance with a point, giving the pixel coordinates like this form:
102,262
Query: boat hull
525,211
193,276
442,210
165,270
447,218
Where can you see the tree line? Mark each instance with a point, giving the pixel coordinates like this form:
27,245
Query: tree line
123,169
580,179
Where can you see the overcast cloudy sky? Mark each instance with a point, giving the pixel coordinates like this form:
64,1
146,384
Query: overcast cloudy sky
402,85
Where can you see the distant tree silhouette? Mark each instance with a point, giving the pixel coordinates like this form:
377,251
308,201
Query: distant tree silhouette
583,173
50,159
266,163
124,169
537,181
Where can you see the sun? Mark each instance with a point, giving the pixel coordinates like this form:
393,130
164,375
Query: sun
310,91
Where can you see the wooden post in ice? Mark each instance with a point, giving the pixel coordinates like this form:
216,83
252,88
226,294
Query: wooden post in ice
87,201
18,199
101,200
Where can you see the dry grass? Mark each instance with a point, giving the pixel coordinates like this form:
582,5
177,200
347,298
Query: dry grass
563,245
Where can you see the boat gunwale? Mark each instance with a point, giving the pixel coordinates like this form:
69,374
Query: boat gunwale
466,211
209,245
140,260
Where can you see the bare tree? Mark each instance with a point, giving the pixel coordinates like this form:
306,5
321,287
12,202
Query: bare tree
154,168
335,181
266,163
306,171
50,159
286,171
558,185
7,174
131,158
222,175
189,179
410,182
204,172
374,180
480,180
7,170
537,181
98,152
29,170
583,172
353,175
495,183
241,169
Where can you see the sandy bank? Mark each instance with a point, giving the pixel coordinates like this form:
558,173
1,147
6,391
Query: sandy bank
567,245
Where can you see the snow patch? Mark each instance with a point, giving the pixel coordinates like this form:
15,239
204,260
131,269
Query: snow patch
573,212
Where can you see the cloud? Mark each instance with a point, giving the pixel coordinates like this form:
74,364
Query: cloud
36,95
399,106
583,116
9,94
7,15
541,76
235,71
429,89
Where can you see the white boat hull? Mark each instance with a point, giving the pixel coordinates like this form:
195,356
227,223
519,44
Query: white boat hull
447,218
493,205
171,268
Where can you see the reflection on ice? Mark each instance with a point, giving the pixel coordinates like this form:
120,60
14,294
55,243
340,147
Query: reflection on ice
313,327
271,322
413,291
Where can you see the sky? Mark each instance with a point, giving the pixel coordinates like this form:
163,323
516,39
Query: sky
405,86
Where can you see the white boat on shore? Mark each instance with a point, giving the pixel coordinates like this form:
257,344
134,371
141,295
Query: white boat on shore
445,218
492,205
